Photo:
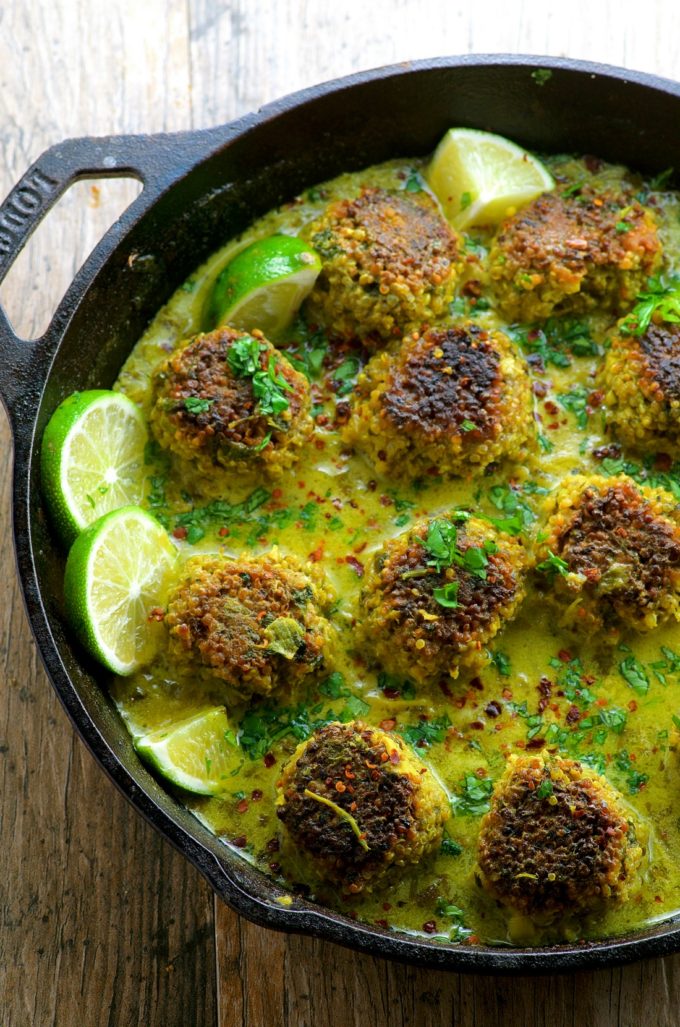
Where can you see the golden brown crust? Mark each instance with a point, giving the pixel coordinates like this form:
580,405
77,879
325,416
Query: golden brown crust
354,802
410,632
390,263
556,840
641,381
255,624
226,431
573,254
620,543
450,402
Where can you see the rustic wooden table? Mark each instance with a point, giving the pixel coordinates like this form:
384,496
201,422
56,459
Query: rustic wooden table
101,921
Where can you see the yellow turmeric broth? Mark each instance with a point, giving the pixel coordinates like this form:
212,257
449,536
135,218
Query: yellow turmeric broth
543,689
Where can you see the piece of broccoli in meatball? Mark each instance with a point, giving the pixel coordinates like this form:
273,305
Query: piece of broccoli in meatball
355,802
557,841
641,381
389,265
228,401
572,254
450,402
256,624
436,595
610,554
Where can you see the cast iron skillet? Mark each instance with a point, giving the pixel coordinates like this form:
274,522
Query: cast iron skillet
201,188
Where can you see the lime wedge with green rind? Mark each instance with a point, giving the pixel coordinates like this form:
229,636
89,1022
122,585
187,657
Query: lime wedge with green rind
480,178
115,587
195,754
92,458
264,286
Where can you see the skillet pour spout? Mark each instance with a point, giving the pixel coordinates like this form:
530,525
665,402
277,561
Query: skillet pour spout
200,189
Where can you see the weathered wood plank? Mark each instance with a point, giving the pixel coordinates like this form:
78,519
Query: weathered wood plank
101,921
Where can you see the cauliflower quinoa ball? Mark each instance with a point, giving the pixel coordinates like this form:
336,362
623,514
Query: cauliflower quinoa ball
573,254
450,402
557,841
256,624
355,802
228,401
611,553
389,263
436,595
641,381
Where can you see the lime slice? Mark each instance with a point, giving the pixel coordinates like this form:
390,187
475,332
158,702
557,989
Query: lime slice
264,285
92,458
195,754
115,587
480,178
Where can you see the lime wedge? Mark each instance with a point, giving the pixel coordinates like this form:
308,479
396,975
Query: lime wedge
480,178
115,587
195,754
264,285
92,458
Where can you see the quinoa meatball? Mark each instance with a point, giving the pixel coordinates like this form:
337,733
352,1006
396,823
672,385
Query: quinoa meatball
436,595
572,254
450,402
355,802
557,840
228,401
641,381
255,624
389,264
611,553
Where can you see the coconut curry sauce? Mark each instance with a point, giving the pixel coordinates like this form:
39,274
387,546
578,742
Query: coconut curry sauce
543,690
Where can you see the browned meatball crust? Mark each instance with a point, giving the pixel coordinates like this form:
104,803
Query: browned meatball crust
570,254
253,623
557,840
390,264
449,402
355,801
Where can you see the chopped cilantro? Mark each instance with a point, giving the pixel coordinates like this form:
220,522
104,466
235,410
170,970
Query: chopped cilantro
449,847
354,708
635,674
576,402
545,789
661,298
556,340
472,796
414,183
501,662
425,732
458,931
269,385
194,405
553,565
447,595
334,686
635,780
660,181
465,200
623,226
467,426
541,76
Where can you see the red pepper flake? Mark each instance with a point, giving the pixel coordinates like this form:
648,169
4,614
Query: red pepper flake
356,565
395,757
242,806
223,532
389,724
564,655
269,759
632,705
317,554
340,786
372,485
179,532
387,906
272,845
391,693
156,613
382,923
539,389
595,399
240,842
493,709
573,715
551,407
535,743
277,493
430,927
477,725
256,795
506,693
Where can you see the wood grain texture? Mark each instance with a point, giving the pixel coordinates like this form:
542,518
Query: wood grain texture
100,921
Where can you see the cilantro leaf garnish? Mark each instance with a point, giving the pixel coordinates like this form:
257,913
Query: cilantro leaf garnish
447,595
660,298
195,405
553,565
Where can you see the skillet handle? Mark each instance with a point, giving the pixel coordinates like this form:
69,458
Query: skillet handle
155,160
